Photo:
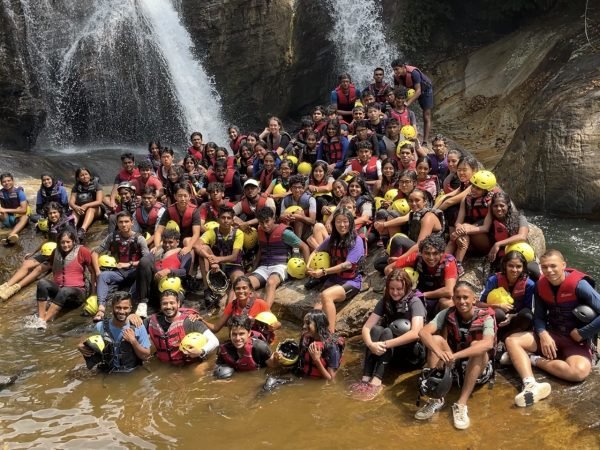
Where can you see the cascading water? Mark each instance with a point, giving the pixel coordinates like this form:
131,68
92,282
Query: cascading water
359,36
117,71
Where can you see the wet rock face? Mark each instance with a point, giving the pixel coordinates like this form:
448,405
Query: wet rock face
21,111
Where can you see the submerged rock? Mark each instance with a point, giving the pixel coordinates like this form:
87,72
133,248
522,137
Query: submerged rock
6,381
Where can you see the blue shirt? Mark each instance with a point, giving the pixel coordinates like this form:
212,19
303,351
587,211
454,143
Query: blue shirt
341,163
492,283
141,336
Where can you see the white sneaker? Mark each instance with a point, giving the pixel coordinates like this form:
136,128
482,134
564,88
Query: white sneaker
505,359
532,393
460,413
430,408
142,310
41,324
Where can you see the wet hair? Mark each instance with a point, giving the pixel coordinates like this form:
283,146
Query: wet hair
379,69
456,152
434,241
273,155
321,322
311,133
196,133
336,124
220,164
361,124
70,233
149,190
246,145
178,170
242,321
296,179
426,195
190,158
364,144
336,241
212,145
469,161
514,255
221,150
331,109
358,108
77,173
182,186
306,122
400,93
392,121
151,143
254,135
234,128
171,234
55,206
224,209
397,63
465,284
144,164
287,163
118,296
169,293
215,187
439,137
375,106
318,108
343,183
168,150
243,278
125,156
344,76
260,143
512,214
264,214
389,305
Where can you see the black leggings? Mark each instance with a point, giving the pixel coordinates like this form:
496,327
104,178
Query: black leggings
523,321
375,365
398,247
48,290
145,278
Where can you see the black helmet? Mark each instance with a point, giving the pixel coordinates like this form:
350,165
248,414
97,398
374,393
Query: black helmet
500,315
217,281
223,372
400,326
585,313
435,383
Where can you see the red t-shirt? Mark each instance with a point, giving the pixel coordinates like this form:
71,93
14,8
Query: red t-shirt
450,271
259,306
152,182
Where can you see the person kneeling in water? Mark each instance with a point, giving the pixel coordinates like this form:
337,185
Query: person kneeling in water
243,352
470,338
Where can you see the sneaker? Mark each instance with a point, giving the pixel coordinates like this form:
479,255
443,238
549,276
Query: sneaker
532,393
12,239
9,291
358,386
31,321
505,359
142,310
368,393
461,416
429,409
41,324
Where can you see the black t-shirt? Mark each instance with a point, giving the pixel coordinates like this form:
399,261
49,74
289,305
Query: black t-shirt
261,352
405,309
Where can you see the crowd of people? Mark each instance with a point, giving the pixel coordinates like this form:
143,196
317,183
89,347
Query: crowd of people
354,180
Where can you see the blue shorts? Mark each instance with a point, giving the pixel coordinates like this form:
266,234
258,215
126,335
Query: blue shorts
426,99
9,221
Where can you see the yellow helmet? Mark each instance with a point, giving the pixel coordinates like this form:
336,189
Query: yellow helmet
289,351
391,195
96,343
523,248
193,341
378,202
296,268
266,317
293,209
401,205
211,225
484,179
408,131
43,225
320,260
292,158
250,239
326,216
170,284
48,248
402,144
414,276
107,262
172,225
147,235
499,296
304,168
389,246
279,189
91,305
410,93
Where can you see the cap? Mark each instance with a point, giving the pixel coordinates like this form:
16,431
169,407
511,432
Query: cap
251,182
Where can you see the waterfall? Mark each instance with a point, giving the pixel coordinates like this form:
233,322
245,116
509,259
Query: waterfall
118,72
359,36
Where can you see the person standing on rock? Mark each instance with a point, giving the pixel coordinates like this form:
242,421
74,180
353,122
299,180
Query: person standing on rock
561,343
344,96
379,88
413,78
13,208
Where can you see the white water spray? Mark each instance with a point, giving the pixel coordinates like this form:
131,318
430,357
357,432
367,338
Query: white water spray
359,36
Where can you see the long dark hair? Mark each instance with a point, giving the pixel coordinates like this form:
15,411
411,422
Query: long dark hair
321,323
322,165
512,214
336,240
389,305
509,257
365,192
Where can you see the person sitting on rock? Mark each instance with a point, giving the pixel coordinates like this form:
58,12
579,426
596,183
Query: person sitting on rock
51,190
269,171
301,221
438,157
366,165
344,96
377,125
275,241
229,177
437,272
37,264
221,249
391,333
561,343
168,327
286,169
320,185
209,211
391,139
333,148
400,111
148,214
244,352
321,349
321,231
450,203
245,210
127,174
167,156
68,287
13,208
125,202
128,248
147,179
462,337
343,279
127,346
277,139
86,200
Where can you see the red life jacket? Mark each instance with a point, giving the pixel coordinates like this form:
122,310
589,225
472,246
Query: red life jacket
272,248
123,175
560,306
167,343
170,262
345,102
125,249
455,340
477,208
211,212
228,181
152,215
307,366
246,209
432,281
518,290
501,231
67,270
378,93
244,363
333,151
407,80
266,178
234,144
185,221
319,127
196,154
369,170
403,117
339,256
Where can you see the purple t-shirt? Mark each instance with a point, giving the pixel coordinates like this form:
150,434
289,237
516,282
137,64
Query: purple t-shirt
354,256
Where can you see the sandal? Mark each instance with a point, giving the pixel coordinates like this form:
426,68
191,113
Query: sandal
99,317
